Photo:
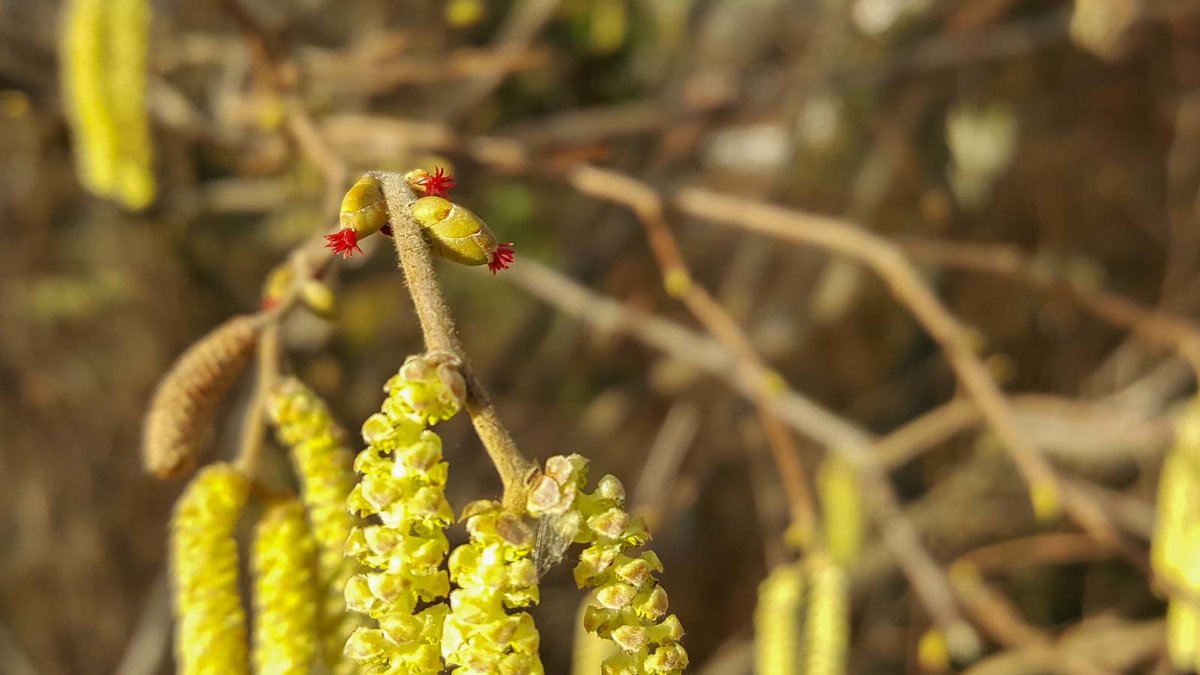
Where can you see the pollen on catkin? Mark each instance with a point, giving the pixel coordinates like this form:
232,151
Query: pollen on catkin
323,462
402,489
494,573
285,593
210,623
631,607
1175,545
777,621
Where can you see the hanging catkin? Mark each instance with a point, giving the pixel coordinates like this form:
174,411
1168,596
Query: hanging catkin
182,408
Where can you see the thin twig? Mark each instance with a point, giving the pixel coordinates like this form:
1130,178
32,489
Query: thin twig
648,206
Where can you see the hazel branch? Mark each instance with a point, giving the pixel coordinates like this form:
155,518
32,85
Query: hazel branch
437,326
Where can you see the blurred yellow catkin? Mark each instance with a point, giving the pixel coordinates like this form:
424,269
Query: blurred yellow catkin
210,623
777,621
1175,546
285,592
104,46
827,622
841,509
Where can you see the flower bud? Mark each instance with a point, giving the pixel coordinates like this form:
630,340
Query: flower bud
458,235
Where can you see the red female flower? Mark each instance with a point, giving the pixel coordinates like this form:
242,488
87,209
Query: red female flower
436,184
344,242
500,257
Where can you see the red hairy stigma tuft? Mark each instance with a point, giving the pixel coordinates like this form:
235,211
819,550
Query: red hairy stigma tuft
436,184
500,258
343,242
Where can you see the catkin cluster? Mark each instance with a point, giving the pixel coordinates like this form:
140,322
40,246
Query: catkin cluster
1175,546
104,75
631,607
402,490
323,462
802,621
494,572
210,627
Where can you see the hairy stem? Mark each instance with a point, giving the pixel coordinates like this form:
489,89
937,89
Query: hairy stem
437,325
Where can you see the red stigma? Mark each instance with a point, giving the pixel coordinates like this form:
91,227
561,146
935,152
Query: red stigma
436,184
343,242
500,258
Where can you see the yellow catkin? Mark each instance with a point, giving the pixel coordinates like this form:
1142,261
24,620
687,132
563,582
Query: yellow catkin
285,592
1175,545
827,623
841,508
210,623
83,77
323,462
631,606
402,491
104,75
1183,628
495,573
127,27
777,621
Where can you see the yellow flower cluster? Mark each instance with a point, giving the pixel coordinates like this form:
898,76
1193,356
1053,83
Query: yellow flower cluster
403,488
1175,546
285,595
104,73
631,604
210,624
323,463
494,572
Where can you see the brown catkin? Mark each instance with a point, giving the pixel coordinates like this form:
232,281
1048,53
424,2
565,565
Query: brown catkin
182,408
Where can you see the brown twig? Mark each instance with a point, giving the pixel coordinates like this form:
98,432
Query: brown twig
437,325
1065,429
889,262
648,206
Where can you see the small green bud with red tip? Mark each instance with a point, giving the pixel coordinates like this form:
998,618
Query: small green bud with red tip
457,234
363,213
